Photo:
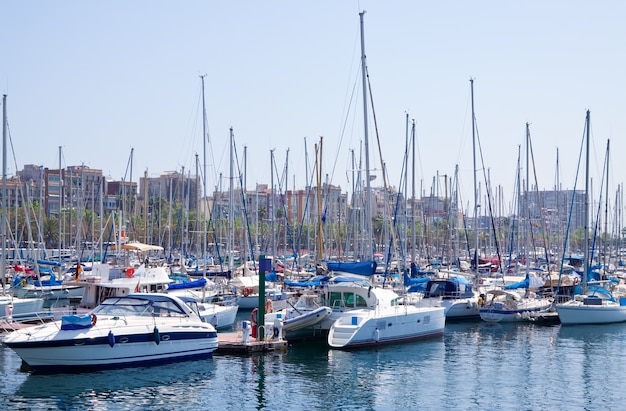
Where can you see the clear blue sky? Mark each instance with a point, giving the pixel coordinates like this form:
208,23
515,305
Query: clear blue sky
100,78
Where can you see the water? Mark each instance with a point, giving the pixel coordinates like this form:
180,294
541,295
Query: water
473,366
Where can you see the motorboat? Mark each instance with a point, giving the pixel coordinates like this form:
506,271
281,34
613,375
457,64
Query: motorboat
134,330
364,315
306,312
218,315
455,294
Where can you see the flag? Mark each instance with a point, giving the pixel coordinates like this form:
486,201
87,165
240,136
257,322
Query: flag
137,287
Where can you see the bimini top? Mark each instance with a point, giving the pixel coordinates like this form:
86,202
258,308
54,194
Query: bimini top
137,246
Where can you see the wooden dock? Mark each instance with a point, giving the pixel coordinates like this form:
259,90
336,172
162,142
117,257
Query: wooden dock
232,343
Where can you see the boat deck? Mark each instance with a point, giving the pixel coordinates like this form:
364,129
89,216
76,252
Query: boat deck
8,326
232,343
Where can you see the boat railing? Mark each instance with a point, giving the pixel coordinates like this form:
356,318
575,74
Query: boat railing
25,321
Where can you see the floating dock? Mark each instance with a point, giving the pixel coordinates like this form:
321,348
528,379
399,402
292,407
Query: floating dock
233,343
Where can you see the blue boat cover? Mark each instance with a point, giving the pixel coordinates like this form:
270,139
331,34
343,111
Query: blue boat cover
365,268
188,284
76,322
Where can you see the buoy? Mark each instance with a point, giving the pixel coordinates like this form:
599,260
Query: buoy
111,338
246,291
130,271
157,336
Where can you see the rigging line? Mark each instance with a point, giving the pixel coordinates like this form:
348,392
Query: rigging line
245,205
488,190
380,154
571,208
283,205
546,238
595,230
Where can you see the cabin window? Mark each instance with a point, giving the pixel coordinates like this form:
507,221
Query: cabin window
348,299
335,299
360,301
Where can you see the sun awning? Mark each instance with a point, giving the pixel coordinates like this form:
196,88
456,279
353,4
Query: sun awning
137,246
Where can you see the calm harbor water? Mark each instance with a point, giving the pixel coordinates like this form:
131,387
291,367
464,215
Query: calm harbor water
473,366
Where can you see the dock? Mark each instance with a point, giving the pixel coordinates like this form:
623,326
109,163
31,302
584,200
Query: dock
233,343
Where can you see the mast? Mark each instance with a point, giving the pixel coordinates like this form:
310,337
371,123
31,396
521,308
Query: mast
231,217
60,202
204,193
368,252
527,205
413,225
476,205
3,258
271,205
320,231
586,211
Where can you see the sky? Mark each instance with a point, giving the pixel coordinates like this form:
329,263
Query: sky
102,79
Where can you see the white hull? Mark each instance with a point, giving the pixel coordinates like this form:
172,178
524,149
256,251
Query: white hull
464,309
220,316
364,327
252,301
115,340
51,292
521,313
576,312
22,308
506,306
293,321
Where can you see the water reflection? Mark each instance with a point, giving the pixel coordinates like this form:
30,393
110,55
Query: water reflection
149,387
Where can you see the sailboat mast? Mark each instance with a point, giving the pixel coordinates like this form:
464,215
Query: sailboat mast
476,205
320,229
204,138
368,194
586,212
3,259
231,217
527,205
413,225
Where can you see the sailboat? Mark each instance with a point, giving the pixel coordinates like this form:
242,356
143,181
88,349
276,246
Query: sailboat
507,305
364,314
600,307
11,308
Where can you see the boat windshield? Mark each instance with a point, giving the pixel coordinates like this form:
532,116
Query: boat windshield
128,306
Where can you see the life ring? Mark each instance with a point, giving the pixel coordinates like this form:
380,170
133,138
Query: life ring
253,316
576,280
246,291
94,319
130,271
268,306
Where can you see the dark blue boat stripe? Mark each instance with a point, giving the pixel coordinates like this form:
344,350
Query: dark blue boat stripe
133,362
175,336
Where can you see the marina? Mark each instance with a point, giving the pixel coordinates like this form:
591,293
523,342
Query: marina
370,276
473,365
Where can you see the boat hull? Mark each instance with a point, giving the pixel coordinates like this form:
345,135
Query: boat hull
575,312
112,343
306,319
361,328
494,315
220,316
